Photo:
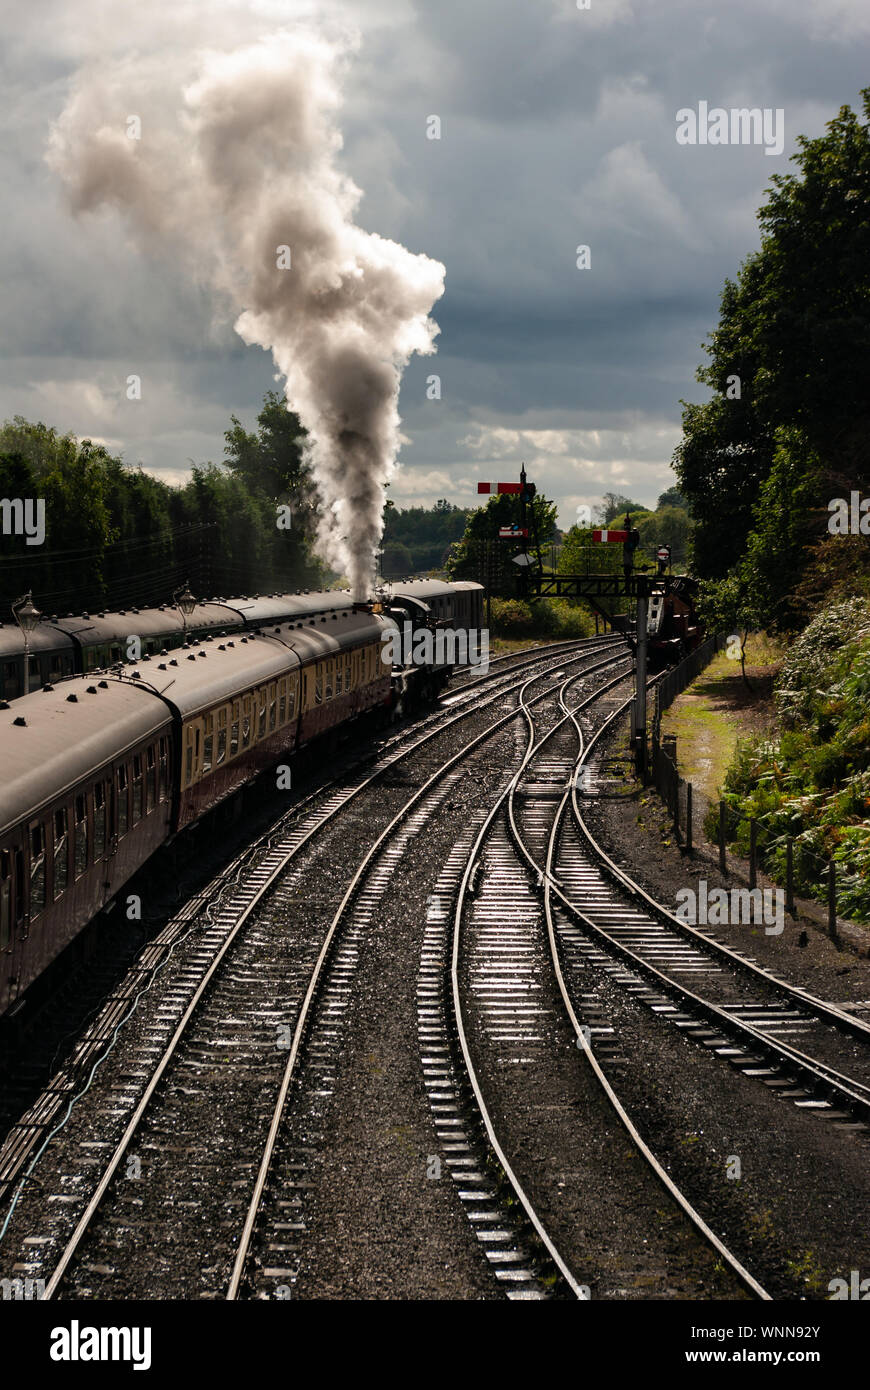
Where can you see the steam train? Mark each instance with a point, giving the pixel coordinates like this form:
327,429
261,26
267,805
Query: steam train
674,628
83,642
102,768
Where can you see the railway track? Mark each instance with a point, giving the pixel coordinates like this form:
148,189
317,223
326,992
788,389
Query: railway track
347,928
29,1134
722,999
517,1034
201,1049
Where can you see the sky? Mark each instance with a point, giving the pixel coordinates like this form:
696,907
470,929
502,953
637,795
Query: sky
557,130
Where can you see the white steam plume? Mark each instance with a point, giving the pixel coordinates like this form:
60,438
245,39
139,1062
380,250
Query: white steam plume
246,164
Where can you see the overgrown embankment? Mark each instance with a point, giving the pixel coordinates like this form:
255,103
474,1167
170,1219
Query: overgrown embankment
792,753
811,781
719,709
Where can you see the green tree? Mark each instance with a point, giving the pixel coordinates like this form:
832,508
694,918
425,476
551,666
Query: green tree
792,347
614,505
482,556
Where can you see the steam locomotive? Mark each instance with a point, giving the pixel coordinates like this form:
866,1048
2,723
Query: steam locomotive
674,628
101,768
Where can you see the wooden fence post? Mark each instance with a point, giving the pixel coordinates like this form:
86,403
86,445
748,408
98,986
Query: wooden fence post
789,875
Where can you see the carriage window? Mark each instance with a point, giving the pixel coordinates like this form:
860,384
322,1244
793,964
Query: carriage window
246,724
137,789
5,899
291,698
347,673
261,721
208,744
328,665
99,821
81,845
273,708
221,747
282,702
163,770
151,783
37,868
123,806
234,738
61,852
318,684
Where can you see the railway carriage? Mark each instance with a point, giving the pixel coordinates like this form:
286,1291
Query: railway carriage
86,800
53,656
83,642
468,605
98,771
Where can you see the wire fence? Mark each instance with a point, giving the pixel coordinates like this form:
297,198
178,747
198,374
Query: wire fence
780,851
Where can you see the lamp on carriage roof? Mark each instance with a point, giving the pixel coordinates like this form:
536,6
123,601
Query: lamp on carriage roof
185,602
27,616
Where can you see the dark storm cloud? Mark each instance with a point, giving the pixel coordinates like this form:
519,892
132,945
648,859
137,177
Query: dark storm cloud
557,129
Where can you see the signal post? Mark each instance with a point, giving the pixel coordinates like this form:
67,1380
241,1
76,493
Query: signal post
639,586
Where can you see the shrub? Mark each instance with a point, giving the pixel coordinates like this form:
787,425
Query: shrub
515,618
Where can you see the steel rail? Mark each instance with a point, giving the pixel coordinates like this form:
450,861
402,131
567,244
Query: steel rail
325,951
544,878
576,1288
819,1073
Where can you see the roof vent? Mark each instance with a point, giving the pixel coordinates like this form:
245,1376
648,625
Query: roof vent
104,685
48,686
92,690
173,662
20,721
191,657
221,648
86,615
162,666
72,699
202,653
4,704
134,676
231,644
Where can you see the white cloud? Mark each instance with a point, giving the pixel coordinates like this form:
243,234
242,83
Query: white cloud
628,194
